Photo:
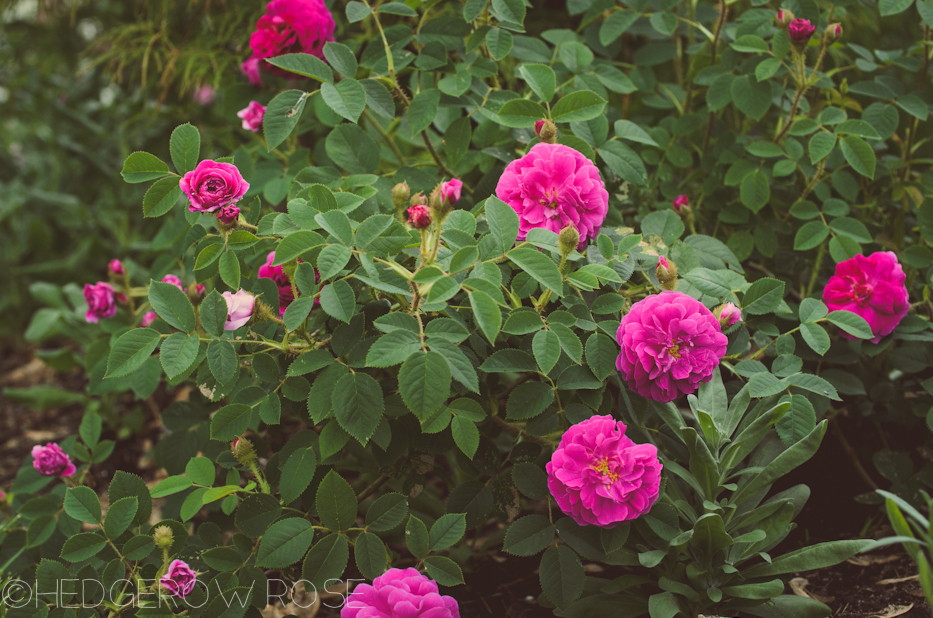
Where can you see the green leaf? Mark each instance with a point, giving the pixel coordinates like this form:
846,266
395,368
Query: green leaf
82,546
223,559
416,537
161,196
424,382
213,311
370,555
528,536
296,245
663,605
851,323
859,155
443,570
177,353
541,79
222,359
816,337
304,64
446,531
423,110
511,11
337,223
540,267
808,558
465,434
601,354
569,342
332,259
284,543
521,113
626,129
229,269
812,310
297,474
341,58
763,296
624,162
755,191
810,235
797,422
82,504
338,300
753,98
357,11
397,8
347,98
750,44
172,305
230,421
664,223
130,351
167,487
359,404
616,24
200,470
561,575
120,515
499,43
893,7
528,400
546,347
503,223
791,605
185,146
821,144
256,513
578,106
297,312
392,348
282,115
387,512
90,428
857,127
327,561
336,502
143,167
486,313
353,149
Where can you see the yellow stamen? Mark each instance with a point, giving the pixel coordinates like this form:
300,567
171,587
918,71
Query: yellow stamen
674,351
602,466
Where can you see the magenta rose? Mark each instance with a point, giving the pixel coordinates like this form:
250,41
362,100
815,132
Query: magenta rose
148,318
101,301
116,267
228,215
800,30
872,287
670,344
419,216
728,315
212,185
252,116
174,280
277,274
51,460
288,27
450,190
600,477
399,593
552,186
681,203
179,579
239,309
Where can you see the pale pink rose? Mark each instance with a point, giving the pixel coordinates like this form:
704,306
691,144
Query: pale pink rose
101,301
252,116
148,319
204,95
670,344
51,460
399,593
600,477
450,190
872,287
179,579
239,309
212,185
554,185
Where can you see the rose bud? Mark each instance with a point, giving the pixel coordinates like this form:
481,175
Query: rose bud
116,267
784,17
666,272
252,116
728,314
148,319
242,449
174,281
800,30
546,131
163,537
832,33
400,194
450,191
419,216
228,215
681,204
568,239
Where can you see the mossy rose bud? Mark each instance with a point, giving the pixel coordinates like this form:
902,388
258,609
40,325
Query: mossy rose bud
163,537
400,194
568,239
419,216
242,449
546,131
666,273
784,17
832,33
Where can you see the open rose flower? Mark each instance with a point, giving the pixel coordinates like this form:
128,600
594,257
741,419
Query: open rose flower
212,185
551,186
600,477
800,30
872,287
252,116
239,309
419,216
277,274
288,27
51,460
101,302
670,344
399,593
179,579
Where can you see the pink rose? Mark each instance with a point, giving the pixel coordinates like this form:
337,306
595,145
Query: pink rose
51,460
199,289
600,477
116,267
450,190
539,124
252,116
228,215
872,287
204,95
239,308
148,319
101,301
179,579
277,274
212,185
399,593
289,26
681,203
728,315
174,281
551,186
419,216
670,344
800,30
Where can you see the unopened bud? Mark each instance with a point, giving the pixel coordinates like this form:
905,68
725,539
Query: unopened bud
728,314
116,267
419,216
163,537
682,205
568,239
196,291
243,451
832,33
418,198
400,194
800,31
227,216
546,130
784,17
666,272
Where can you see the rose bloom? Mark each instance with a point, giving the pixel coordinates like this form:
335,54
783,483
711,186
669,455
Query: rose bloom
51,460
277,274
228,215
101,301
450,190
212,185
174,280
252,116
399,593
670,344
800,30
600,477
239,308
419,216
116,267
179,579
680,202
148,319
872,287
288,27
551,186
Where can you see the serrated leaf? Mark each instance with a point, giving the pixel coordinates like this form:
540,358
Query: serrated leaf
578,106
130,351
161,196
297,474
143,167
284,543
347,98
358,402
82,504
424,382
185,146
336,502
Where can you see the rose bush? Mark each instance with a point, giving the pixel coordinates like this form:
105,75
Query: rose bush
430,316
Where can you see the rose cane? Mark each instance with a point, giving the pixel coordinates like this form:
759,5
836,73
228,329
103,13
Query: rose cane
242,450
